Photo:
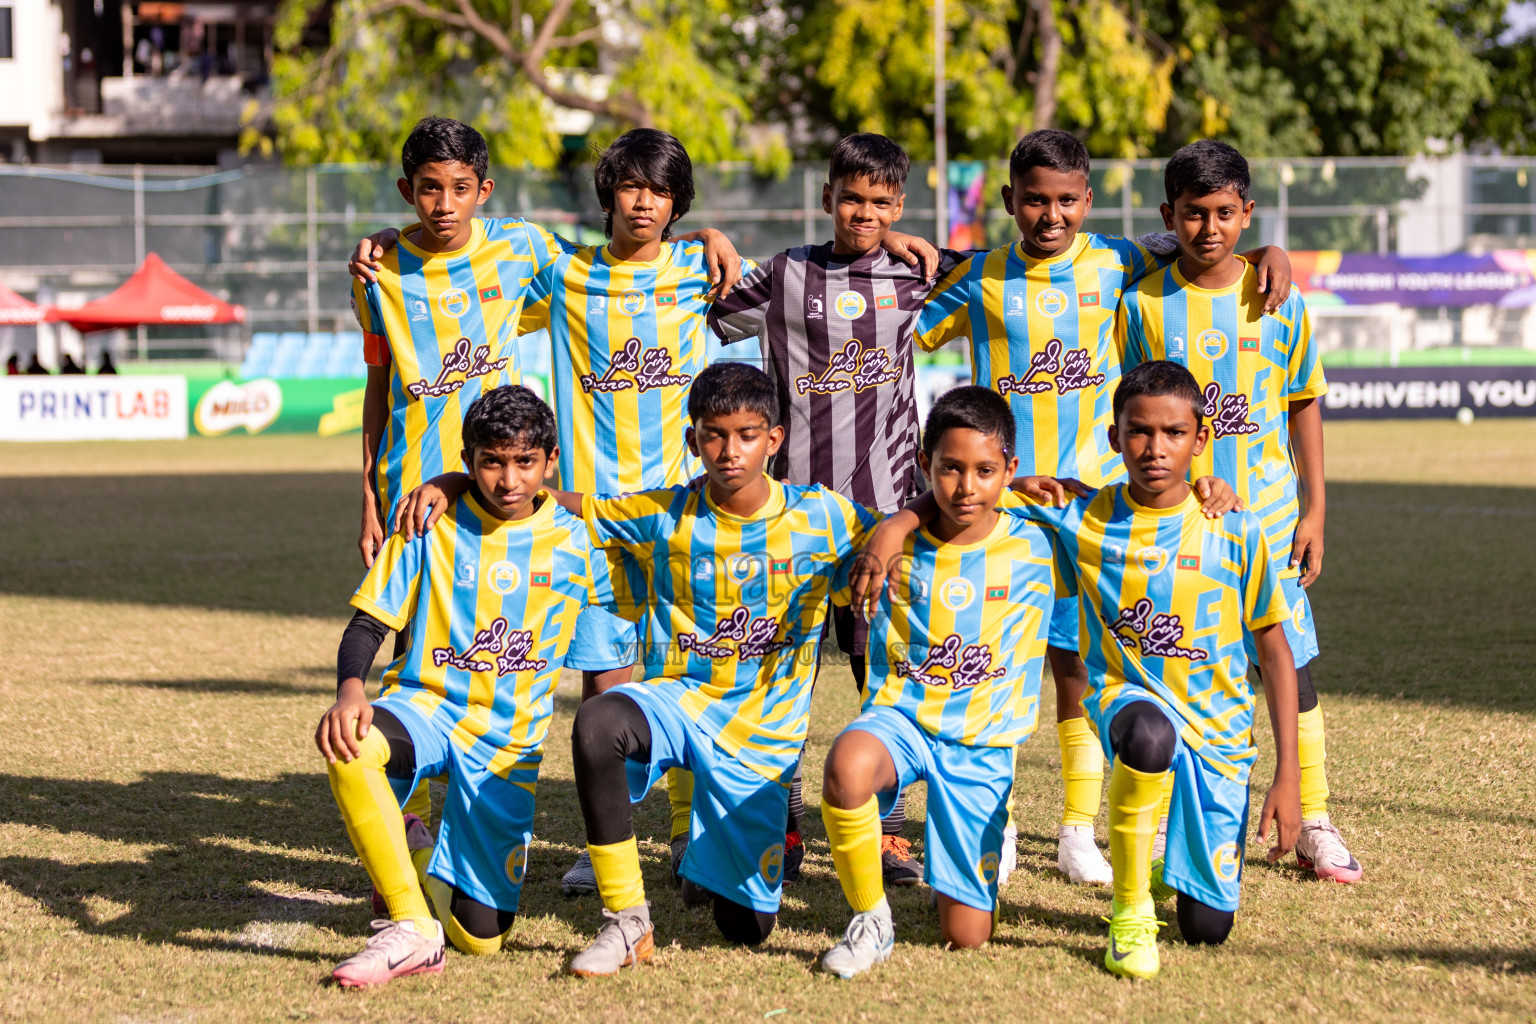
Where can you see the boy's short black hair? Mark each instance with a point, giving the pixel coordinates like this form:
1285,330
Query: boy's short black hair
1051,148
649,157
1203,167
973,407
873,156
726,388
509,415
442,138
1156,378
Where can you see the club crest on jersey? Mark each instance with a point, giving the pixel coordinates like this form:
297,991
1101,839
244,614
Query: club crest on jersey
814,308
1227,862
1228,413
771,864
1211,343
502,577
849,305
1299,615
754,638
1068,367
649,368
471,364
517,863
986,868
511,647
417,309
1152,560
454,302
956,593
1156,634
968,666
853,367
1052,302
632,301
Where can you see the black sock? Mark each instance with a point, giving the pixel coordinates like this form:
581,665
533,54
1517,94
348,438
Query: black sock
610,728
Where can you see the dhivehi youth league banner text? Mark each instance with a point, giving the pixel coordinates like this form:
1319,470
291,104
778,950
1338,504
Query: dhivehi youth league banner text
1422,392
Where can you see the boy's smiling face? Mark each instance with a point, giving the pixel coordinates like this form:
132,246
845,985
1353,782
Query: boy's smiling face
1158,436
1209,226
968,471
1049,207
446,195
862,212
508,476
735,449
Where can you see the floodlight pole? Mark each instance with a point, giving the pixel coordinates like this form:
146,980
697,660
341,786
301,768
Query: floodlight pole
940,136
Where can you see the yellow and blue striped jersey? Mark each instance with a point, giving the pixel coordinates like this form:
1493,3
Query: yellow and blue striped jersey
628,340
733,606
1251,367
1165,600
961,650
1042,336
449,320
489,606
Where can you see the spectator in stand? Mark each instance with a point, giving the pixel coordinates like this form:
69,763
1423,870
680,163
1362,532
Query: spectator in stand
34,367
70,366
13,365
107,365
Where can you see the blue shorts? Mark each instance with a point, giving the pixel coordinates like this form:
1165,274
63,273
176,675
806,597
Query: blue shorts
968,792
1064,624
1207,820
736,837
1300,628
603,641
487,823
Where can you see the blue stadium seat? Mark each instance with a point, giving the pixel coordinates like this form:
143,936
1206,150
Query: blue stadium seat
290,350
347,356
258,358
317,353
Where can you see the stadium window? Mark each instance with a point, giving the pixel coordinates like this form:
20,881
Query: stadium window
7,49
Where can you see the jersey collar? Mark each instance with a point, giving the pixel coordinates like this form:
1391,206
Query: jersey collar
543,514
476,236
773,507
1232,289
1073,252
1183,508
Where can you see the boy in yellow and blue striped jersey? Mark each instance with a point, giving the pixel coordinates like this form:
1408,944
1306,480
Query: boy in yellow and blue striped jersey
1039,315
1172,598
1261,377
733,581
489,598
955,659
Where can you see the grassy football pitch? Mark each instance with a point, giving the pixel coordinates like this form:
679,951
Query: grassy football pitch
169,849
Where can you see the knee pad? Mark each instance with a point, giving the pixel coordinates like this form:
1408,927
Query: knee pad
1203,924
1306,692
742,925
471,926
1143,738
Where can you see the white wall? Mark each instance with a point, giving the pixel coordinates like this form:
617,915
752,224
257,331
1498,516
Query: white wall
1436,223
32,81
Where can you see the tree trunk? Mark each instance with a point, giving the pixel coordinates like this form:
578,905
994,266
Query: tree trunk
1050,61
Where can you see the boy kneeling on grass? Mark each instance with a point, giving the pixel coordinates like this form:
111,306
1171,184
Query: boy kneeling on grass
489,595
1167,600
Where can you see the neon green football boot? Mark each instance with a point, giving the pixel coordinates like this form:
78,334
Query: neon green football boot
1132,949
1161,890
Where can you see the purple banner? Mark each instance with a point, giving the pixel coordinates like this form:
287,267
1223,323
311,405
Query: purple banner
1504,277
1422,392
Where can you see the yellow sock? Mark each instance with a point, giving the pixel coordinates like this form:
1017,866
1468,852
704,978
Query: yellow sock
1311,753
680,796
372,813
442,902
1133,798
617,867
855,840
420,803
1167,800
1082,771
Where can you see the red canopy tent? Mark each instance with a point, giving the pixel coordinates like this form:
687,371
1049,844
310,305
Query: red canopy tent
16,310
155,294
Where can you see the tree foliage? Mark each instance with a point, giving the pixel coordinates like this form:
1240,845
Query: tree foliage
758,79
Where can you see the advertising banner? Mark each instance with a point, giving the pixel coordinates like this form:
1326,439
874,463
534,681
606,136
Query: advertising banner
1422,392
93,408
1504,277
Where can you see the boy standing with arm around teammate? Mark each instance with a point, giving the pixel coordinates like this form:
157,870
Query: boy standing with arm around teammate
1040,316
1260,377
